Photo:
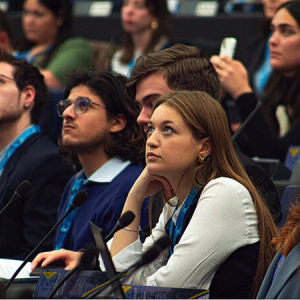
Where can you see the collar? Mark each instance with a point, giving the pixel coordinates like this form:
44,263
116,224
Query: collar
108,171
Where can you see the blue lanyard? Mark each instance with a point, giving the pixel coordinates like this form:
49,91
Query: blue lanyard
17,143
179,224
68,221
31,60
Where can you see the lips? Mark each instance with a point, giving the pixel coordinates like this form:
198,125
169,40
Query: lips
274,54
151,155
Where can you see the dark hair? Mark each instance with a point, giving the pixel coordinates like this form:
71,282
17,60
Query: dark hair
26,74
293,7
110,87
184,67
159,9
58,8
4,24
281,88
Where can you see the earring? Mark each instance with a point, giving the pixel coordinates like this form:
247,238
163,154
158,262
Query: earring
27,105
201,160
154,25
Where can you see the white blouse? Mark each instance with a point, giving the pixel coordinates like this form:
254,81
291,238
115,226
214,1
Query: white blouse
224,220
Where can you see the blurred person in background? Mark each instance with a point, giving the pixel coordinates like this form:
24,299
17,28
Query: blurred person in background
5,34
257,59
48,44
276,124
147,28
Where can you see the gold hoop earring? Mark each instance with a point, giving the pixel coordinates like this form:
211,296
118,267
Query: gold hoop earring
201,160
154,25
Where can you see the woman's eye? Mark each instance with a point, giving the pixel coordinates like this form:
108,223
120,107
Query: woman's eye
168,129
150,129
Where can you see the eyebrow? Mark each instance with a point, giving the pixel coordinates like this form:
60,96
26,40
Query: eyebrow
151,97
283,25
162,123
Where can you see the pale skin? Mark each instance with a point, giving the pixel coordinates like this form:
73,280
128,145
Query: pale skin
166,131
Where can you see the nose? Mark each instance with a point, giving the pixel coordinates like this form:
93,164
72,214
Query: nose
69,112
144,118
273,39
28,18
153,140
127,9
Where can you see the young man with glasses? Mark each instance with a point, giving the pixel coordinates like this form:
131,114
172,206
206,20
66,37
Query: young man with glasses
25,154
99,126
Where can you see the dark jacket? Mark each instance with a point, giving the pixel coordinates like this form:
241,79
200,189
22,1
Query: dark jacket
27,220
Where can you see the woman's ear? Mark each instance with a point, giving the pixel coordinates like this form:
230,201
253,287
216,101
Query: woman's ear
118,123
206,148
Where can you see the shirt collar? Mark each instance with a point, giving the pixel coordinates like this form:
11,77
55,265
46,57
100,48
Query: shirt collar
108,171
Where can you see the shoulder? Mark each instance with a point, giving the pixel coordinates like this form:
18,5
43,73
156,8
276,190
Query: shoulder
225,184
75,42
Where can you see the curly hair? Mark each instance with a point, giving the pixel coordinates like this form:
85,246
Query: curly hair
129,143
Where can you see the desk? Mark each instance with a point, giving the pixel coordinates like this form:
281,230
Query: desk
205,32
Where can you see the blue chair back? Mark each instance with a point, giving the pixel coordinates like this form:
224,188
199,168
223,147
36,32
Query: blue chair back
291,195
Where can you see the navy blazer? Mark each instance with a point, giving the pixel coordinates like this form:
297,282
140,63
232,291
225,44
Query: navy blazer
27,220
287,282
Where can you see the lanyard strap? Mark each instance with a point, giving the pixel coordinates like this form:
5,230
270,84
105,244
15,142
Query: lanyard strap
68,221
175,230
17,143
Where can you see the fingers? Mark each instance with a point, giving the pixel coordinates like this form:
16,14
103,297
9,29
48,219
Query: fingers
39,258
46,258
167,186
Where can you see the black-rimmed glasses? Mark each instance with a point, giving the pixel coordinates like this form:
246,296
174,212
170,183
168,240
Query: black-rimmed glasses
80,105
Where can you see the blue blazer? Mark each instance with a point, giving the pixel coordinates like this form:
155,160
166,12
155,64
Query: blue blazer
287,282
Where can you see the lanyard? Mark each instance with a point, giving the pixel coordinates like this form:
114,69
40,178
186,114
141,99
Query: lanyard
175,230
68,221
17,143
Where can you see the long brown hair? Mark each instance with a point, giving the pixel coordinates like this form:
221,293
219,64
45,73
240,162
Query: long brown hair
206,118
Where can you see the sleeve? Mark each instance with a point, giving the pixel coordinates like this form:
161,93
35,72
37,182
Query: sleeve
224,220
72,54
48,179
259,136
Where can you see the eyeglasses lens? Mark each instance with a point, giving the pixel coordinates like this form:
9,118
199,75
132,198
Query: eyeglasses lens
81,105
61,106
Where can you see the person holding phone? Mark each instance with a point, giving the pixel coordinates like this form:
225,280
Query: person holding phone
276,124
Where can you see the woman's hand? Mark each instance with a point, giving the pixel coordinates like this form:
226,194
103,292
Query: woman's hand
233,75
148,185
70,258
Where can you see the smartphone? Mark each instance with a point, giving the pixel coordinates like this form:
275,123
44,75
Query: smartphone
228,46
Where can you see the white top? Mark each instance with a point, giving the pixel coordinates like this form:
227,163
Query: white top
224,220
121,68
125,69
